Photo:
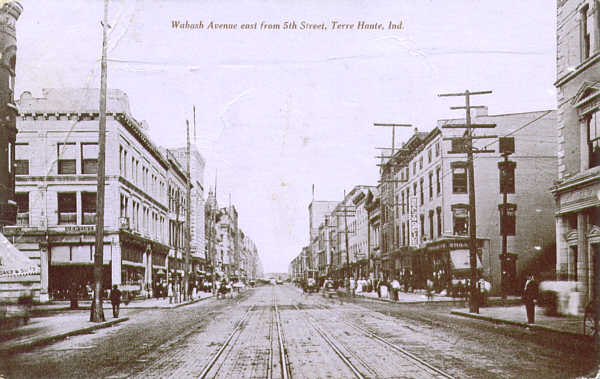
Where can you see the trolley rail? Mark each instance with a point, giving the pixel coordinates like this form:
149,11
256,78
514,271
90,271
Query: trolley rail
285,369
226,344
411,357
334,346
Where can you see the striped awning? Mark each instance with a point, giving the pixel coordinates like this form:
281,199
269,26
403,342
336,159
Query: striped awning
13,262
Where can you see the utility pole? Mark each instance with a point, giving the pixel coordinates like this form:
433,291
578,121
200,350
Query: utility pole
384,188
186,274
507,212
462,145
347,281
213,240
96,311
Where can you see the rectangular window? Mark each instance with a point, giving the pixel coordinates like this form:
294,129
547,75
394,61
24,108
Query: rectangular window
22,200
124,172
459,177
88,208
437,181
407,172
593,140
414,168
437,149
124,202
22,155
429,156
89,158
422,225
403,203
415,189
438,213
66,158
67,208
9,158
430,185
431,225
586,26
460,214
420,162
421,197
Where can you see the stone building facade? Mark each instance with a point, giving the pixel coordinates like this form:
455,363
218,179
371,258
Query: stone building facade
56,153
9,14
577,190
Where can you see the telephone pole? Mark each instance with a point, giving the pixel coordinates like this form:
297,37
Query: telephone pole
462,145
384,187
188,193
96,311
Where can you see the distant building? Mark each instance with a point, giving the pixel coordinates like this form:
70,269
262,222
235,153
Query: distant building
577,190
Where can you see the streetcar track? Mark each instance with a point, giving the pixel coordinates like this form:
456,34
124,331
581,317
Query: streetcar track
285,368
236,331
332,344
395,347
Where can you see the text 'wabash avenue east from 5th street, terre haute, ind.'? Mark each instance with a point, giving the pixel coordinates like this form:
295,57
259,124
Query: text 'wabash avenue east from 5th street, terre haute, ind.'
360,25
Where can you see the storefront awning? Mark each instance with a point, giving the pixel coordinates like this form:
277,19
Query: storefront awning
461,260
13,262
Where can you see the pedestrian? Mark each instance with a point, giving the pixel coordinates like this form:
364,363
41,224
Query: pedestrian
170,292
530,294
115,300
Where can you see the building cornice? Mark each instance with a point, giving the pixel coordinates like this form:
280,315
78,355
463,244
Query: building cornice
578,70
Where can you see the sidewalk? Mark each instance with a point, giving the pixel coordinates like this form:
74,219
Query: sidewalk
152,303
56,321
410,297
45,330
516,315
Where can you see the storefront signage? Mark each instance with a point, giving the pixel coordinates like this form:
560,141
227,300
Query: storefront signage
414,222
74,228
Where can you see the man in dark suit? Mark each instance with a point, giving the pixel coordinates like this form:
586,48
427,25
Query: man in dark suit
530,294
115,300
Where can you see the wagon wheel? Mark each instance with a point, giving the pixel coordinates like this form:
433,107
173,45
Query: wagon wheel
590,321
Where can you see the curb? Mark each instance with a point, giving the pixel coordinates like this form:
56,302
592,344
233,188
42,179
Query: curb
25,346
518,323
188,303
410,302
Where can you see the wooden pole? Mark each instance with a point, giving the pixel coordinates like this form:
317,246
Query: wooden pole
96,311
186,274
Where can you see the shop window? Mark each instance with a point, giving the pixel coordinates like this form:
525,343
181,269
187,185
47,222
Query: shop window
593,139
66,158
88,208
460,218
22,155
89,158
67,208
459,177
22,200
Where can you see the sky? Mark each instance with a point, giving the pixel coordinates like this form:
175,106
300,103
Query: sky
278,111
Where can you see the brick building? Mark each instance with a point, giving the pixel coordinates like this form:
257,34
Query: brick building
425,202
577,190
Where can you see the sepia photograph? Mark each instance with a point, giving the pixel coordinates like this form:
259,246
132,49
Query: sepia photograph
285,189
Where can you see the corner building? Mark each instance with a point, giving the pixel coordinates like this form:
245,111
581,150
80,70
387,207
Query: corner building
577,190
56,161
